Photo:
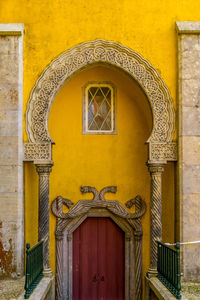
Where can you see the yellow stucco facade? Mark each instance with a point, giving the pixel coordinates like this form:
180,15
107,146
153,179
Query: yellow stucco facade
147,27
51,28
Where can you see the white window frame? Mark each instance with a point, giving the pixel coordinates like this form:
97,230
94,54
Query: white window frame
85,108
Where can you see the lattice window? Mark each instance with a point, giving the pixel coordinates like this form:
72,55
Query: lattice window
99,109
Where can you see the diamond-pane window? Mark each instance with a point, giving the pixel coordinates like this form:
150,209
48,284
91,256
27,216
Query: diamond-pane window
99,108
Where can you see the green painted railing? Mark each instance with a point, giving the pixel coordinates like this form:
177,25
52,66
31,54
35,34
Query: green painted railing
34,267
168,266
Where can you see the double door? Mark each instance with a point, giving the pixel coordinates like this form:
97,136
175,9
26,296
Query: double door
98,260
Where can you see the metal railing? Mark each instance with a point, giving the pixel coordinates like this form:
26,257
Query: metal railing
168,266
34,267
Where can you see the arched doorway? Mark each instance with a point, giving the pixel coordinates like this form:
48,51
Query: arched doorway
130,225
161,148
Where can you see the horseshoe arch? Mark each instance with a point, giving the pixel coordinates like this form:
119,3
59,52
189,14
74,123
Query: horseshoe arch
62,68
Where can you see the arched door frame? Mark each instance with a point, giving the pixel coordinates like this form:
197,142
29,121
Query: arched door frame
130,224
66,265
162,148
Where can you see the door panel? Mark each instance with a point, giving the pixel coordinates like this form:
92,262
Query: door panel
98,260
85,261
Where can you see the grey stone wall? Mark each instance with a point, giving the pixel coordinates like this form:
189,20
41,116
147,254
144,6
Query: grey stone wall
11,156
189,145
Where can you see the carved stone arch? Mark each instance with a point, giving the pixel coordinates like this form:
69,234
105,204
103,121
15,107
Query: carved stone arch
69,63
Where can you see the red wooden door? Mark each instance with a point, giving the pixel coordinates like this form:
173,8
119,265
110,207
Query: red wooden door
98,260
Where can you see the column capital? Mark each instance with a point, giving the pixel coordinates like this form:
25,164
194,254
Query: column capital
155,166
43,167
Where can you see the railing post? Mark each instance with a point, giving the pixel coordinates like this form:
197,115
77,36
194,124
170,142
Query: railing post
156,169
27,279
44,169
178,269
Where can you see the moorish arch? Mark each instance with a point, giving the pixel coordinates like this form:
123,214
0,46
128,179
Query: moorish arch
162,148
72,61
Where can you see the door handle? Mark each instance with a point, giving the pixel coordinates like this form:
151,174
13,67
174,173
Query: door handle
94,278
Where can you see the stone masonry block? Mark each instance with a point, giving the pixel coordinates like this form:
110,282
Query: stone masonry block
8,140
191,217
189,43
191,121
191,179
8,97
8,45
7,116
190,92
9,206
191,258
8,129
191,150
190,58
9,67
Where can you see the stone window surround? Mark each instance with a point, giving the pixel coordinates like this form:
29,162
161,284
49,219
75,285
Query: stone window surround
113,107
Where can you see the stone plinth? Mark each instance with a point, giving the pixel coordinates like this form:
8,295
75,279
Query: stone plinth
11,151
189,145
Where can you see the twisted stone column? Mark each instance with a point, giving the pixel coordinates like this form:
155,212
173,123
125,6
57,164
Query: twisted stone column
44,170
59,261
138,264
155,170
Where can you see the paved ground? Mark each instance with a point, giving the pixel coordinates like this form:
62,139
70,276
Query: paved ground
191,290
11,289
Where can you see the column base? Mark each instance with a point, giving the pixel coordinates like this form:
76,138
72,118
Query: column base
147,289
48,272
152,273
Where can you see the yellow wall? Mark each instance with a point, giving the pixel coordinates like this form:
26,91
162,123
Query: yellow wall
52,27
31,204
100,160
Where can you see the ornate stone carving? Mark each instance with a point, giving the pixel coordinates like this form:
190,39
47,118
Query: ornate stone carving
163,151
98,201
66,223
156,211
43,228
59,201
36,151
138,262
44,170
59,260
140,205
99,51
